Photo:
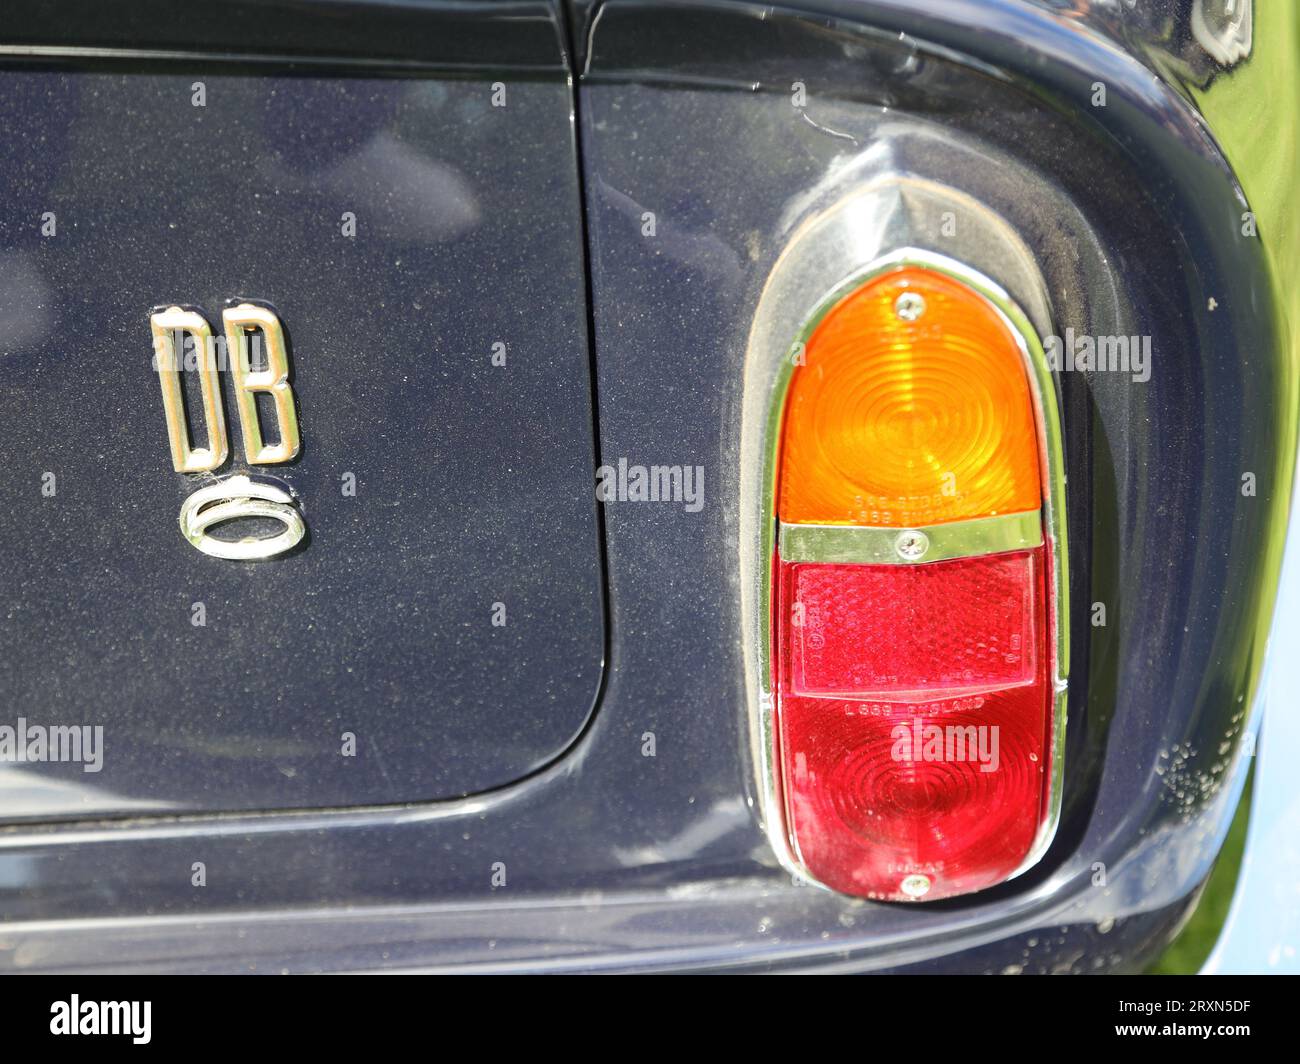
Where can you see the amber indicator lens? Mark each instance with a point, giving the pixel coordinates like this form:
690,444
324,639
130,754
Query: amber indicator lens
912,408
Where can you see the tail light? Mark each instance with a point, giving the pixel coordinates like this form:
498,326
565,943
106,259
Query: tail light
917,588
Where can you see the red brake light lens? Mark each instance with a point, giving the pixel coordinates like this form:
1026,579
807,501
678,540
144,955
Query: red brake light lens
890,806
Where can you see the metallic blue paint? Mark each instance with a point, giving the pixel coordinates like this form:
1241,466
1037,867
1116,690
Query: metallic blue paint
472,480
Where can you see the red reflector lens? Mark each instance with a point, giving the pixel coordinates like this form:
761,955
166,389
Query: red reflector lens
899,629
915,711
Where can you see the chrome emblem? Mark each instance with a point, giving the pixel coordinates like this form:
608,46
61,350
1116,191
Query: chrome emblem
166,325
237,497
233,497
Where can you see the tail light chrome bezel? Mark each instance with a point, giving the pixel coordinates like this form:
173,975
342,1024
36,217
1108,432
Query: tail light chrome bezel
861,237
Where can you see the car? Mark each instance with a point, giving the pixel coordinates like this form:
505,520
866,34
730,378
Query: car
645,485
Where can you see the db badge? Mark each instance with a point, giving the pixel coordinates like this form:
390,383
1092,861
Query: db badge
247,325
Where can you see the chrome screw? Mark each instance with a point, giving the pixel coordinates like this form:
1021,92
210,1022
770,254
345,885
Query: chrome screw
916,886
909,306
912,544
